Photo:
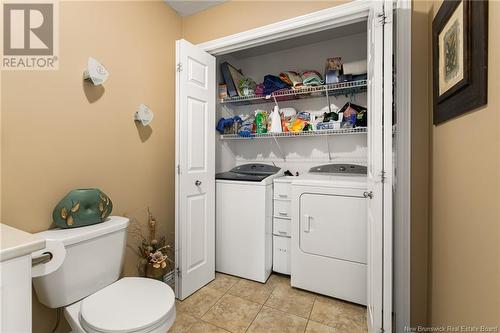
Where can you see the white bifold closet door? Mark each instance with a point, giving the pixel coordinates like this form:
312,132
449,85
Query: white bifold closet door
195,164
379,194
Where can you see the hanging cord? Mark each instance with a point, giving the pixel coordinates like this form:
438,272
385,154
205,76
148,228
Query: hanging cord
228,111
274,98
58,319
329,151
328,100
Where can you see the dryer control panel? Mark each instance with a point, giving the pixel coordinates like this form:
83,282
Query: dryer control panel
339,169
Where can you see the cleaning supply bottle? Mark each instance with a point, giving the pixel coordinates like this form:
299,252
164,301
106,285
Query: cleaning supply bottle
260,122
276,120
284,127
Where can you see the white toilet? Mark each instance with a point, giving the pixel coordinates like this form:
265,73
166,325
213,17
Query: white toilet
86,282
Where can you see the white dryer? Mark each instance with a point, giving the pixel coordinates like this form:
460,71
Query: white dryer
329,232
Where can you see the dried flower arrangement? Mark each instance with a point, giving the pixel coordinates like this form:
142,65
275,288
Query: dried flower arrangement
154,253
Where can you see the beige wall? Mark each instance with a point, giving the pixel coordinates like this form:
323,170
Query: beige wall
465,197
57,134
237,16
419,165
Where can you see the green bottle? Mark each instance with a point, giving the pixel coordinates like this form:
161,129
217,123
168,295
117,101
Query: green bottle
261,122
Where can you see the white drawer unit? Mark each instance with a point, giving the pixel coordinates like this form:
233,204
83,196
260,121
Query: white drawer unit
282,190
282,227
282,209
281,255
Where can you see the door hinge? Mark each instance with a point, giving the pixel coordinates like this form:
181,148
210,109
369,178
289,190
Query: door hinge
178,272
382,18
179,67
368,194
382,176
178,169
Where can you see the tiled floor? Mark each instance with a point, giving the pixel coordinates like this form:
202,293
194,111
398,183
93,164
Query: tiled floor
231,304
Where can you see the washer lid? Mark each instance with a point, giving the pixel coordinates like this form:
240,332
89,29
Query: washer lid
254,172
128,305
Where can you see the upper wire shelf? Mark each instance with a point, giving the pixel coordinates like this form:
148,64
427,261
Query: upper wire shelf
334,89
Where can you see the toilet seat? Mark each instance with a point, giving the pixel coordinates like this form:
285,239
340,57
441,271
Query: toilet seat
129,305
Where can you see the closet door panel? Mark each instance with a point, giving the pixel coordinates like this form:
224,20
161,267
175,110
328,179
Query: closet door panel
195,166
374,192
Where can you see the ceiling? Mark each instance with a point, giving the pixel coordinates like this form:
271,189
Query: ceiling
186,8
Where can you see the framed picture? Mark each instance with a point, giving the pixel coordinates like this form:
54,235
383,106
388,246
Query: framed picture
460,58
232,77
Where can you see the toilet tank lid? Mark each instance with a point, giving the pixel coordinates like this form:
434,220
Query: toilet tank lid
76,235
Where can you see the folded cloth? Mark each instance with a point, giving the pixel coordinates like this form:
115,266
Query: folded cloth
273,83
224,124
286,79
312,78
221,125
292,78
259,89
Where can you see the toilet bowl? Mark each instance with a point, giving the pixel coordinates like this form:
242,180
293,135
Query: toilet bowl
83,277
128,305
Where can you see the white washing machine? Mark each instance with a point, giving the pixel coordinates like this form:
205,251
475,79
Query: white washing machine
329,232
243,221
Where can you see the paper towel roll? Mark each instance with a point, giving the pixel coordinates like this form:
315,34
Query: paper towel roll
355,67
58,251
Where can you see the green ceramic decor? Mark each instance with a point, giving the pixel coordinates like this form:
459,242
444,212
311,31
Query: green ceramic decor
82,207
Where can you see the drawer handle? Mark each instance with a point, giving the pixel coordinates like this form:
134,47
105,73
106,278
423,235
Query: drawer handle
307,229
283,213
283,195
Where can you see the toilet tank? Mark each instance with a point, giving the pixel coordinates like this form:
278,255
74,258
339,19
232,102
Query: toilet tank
93,260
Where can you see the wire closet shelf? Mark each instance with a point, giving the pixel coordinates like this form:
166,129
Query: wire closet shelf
343,88
342,131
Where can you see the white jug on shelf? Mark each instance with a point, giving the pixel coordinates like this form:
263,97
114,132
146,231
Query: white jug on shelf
276,121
